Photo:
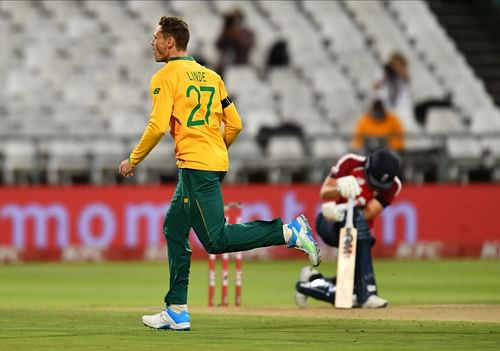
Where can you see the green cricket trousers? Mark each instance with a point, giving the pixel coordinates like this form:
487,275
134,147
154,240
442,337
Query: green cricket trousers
197,203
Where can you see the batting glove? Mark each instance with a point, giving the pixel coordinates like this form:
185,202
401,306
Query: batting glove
332,212
348,187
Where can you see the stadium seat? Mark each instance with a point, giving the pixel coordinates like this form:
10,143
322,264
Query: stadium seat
20,161
314,125
66,159
60,10
247,90
485,120
127,122
295,98
147,10
335,25
19,11
441,121
105,157
491,149
465,155
423,84
7,126
256,118
285,156
245,159
325,152
491,145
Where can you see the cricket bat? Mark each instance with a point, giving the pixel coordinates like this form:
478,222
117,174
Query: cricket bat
346,260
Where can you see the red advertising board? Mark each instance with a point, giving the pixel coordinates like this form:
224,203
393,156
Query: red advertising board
125,222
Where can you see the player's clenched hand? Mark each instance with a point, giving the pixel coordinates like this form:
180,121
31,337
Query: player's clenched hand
126,169
332,212
348,187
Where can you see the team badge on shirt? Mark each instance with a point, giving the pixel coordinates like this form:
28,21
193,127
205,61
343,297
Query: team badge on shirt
156,91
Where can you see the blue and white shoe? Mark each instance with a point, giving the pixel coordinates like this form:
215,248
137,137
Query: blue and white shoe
168,319
303,240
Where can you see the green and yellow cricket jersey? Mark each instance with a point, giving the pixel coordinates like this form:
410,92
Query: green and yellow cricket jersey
191,101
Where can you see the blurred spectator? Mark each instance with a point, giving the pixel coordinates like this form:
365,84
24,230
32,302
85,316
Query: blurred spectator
235,42
377,128
394,89
278,55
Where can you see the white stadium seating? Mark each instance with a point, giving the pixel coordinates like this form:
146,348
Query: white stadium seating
75,79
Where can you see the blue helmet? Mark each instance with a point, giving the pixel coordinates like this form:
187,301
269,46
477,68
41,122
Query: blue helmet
381,167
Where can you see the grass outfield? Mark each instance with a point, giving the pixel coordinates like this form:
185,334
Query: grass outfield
434,305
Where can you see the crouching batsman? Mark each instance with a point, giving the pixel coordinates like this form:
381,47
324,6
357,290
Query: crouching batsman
372,180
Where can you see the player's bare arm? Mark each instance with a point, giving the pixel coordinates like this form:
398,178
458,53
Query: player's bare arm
372,209
329,189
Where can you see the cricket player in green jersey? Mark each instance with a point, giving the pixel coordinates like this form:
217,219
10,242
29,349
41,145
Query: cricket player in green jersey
191,102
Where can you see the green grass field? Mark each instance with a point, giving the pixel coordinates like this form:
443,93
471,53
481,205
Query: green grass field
98,307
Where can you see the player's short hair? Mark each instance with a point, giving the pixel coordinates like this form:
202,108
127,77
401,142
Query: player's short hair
177,29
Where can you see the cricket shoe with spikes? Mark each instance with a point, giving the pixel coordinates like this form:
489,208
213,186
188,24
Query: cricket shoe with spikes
302,239
168,319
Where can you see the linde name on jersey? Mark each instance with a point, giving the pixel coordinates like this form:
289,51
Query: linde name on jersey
197,76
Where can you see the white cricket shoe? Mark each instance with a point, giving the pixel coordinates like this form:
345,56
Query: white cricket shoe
375,301
301,299
304,275
168,319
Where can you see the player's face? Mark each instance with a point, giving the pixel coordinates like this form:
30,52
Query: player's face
160,45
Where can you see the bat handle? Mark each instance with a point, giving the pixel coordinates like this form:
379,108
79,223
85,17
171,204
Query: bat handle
350,213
